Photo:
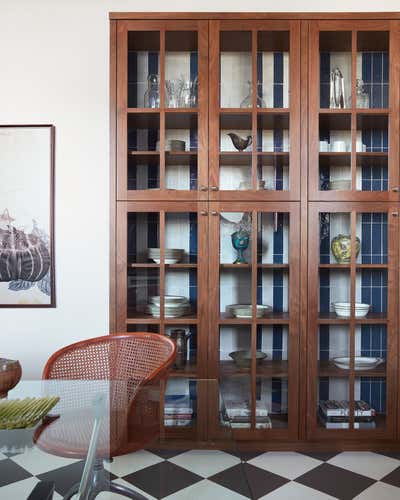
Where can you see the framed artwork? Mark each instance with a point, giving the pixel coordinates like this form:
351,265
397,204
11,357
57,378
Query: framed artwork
27,216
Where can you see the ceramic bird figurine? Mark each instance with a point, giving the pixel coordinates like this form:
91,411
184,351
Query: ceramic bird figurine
240,143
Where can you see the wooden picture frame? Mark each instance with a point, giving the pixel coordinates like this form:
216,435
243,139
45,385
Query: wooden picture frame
27,270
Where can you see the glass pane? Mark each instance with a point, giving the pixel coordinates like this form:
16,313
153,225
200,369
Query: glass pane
235,349
272,399
235,133
372,152
273,171
180,408
333,349
143,328
142,235
334,293
235,172
372,229
143,69
273,69
334,152
181,69
372,85
143,285
143,132
235,237
335,69
370,399
335,238
235,69
333,402
185,337
272,238
273,133
181,237
235,401
143,172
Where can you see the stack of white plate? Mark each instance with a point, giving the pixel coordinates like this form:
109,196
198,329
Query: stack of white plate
174,306
171,255
360,363
340,184
343,309
245,311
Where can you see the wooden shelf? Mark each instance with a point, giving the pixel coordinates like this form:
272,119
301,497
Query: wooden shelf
249,110
132,152
265,369
371,318
189,371
364,111
259,266
135,318
269,319
358,266
328,369
167,266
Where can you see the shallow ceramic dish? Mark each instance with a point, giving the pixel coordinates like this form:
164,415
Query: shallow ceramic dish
244,311
169,300
242,359
360,363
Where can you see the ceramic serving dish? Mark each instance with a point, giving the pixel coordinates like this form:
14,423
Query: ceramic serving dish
242,359
245,311
360,363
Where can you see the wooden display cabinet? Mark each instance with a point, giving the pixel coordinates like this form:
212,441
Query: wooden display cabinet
309,166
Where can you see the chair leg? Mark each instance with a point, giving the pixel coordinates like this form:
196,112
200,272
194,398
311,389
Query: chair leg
126,492
71,492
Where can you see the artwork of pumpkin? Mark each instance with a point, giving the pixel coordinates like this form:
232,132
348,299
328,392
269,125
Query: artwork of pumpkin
22,256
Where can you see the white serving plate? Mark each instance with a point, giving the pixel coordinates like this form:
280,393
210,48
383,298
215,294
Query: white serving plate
360,363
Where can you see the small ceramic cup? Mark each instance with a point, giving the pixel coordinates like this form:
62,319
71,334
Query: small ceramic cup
338,146
323,146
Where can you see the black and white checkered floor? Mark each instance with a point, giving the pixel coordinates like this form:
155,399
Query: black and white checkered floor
196,474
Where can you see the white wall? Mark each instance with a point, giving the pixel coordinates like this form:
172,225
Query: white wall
54,62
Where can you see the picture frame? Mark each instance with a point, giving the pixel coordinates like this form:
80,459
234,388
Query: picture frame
27,261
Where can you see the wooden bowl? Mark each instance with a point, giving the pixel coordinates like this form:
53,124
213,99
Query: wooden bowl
10,375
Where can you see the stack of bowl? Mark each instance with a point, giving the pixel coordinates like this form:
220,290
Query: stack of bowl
172,255
246,310
343,309
174,306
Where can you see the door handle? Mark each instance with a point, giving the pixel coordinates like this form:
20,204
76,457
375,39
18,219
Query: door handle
203,212
203,188
214,212
214,188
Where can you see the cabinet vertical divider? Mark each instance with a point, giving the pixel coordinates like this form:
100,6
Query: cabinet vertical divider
353,224
162,109
162,272
254,319
254,108
353,111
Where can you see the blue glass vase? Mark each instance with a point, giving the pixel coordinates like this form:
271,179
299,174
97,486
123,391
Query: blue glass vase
240,241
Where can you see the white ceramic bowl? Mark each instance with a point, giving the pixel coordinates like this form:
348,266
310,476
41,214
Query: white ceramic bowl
343,309
245,310
169,300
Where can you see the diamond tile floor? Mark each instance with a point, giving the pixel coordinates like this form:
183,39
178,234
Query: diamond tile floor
197,474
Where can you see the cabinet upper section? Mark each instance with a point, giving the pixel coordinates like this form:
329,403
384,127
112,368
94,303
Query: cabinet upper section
251,109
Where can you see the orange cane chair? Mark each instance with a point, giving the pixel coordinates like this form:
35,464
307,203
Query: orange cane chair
134,366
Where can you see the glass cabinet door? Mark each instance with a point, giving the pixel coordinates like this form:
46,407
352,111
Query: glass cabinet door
353,318
162,110
254,286
254,110
353,145
161,287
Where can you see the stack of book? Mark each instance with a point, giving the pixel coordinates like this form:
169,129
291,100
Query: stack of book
237,414
335,414
178,410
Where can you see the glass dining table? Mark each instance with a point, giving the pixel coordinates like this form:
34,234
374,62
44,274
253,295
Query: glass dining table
92,419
